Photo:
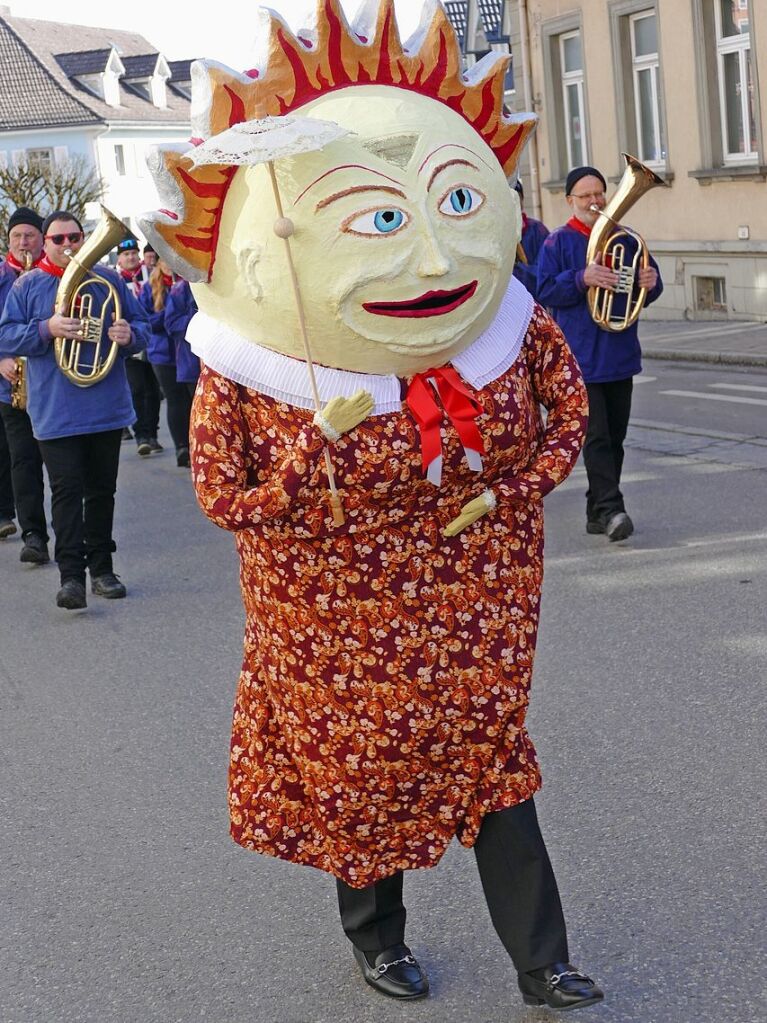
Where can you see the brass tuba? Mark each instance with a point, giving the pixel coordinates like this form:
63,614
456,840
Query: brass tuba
605,239
19,385
73,300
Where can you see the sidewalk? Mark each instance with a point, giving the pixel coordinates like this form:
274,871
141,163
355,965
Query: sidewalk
735,343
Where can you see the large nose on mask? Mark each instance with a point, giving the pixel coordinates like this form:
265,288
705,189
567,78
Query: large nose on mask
432,260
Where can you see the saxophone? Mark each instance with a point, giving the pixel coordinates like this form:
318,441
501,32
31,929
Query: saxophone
19,385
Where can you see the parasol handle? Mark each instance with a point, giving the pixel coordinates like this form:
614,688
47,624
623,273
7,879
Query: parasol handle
284,228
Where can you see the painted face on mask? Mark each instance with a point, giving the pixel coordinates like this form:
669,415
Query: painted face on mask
405,230
405,235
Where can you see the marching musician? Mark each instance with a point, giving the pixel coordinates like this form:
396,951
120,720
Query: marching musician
180,307
79,429
25,246
609,360
534,234
145,391
162,358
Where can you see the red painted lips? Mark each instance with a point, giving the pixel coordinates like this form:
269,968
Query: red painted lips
433,303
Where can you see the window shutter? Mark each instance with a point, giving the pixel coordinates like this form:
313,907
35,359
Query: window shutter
60,155
3,159
18,156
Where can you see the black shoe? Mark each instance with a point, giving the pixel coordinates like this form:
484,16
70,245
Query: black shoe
560,986
182,458
108,585
155,445
127,435
34,551
7,528
595,526
71,595
394,972
143,446
619,527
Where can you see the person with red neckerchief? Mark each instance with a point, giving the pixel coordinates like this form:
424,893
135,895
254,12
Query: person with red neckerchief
21,479
79,429
144,387
608,360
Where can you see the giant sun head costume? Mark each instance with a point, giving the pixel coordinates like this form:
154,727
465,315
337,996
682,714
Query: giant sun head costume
405,229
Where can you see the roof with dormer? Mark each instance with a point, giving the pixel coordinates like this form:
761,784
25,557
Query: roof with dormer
45,64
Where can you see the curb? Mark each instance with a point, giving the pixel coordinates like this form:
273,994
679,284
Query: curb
717,358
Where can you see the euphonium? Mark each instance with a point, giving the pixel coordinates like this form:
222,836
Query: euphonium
73,300
605,239
19,385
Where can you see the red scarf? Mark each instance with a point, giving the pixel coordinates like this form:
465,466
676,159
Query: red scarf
51,268
13,262
461,406
167,280
579,226
525,222
131,275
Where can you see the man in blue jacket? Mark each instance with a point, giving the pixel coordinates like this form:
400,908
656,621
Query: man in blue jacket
609,360
534,234
79,429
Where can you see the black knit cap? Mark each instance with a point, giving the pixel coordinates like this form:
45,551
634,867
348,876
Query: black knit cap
127,245
59,215
24,215
577,173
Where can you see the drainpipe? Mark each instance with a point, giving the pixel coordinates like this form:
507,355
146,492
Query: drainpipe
535,181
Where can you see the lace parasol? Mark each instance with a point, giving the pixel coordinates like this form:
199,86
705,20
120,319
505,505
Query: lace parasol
266,139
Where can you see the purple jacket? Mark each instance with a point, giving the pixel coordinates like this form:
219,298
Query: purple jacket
8,277
180,307
534,234
159,350
603,355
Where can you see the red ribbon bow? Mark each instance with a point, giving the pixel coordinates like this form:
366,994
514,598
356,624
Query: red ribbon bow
462,409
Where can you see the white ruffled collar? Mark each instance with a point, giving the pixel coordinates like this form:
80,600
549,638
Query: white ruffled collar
285,379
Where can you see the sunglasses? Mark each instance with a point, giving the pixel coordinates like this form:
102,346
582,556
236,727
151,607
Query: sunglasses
59,239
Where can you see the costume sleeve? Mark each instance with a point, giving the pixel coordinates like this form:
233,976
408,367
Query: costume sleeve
557,384
219,465
560,284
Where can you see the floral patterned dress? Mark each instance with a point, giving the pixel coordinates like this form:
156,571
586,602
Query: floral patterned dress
381,706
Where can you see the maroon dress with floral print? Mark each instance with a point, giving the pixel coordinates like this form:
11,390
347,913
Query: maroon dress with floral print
381,706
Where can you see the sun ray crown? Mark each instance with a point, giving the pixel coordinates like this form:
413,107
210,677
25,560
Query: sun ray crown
291,70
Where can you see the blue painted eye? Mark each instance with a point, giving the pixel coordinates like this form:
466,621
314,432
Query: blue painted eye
461,201
378,222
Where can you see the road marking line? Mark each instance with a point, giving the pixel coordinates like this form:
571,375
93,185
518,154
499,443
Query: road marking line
716,397
682,335
741,387
644,380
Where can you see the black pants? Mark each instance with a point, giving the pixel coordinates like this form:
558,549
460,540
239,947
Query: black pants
145,392
519,886
7,506
83,474
179,404
26,471
609,411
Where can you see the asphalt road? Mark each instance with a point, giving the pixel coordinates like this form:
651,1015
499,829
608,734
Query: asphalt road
124,900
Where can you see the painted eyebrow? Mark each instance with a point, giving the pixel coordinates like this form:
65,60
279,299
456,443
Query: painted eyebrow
444,166
345,166
453,145
359,188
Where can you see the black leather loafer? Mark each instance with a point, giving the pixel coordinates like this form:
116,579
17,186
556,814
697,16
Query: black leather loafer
71,595
394,972
619,527
560,986
108,586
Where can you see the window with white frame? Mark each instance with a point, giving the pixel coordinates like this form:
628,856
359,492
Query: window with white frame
736,81
571,64
645,68
42,159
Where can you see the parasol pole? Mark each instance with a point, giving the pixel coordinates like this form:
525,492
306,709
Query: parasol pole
284,228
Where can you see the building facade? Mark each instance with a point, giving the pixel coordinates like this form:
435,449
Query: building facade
103,95
676,83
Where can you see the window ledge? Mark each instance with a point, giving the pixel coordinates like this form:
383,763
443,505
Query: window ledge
667,175
740,172
554,186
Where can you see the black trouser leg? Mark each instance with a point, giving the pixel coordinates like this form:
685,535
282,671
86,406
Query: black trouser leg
520,888
609,411
145,392
64,459
102,463
7,506
179,404
373,918
26,471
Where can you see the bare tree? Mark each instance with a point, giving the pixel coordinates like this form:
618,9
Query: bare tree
64,186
